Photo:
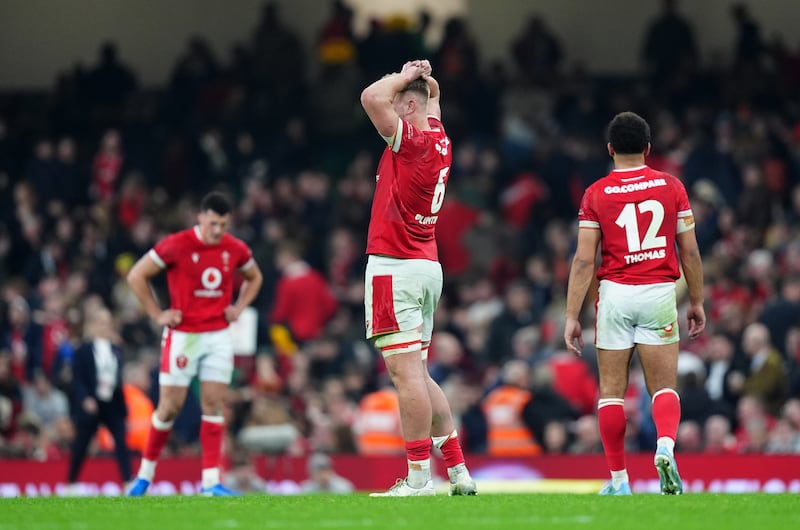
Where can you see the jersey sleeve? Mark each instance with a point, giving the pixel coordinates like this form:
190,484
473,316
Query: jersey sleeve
587,216
164,252
408,141
684,209
245,260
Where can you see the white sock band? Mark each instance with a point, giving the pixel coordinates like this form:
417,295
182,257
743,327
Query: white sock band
665,391
220,420
439,441
618,478
147,469
160,425
607,402
666,441
210,477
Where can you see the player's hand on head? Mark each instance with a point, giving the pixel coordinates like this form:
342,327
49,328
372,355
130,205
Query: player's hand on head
415,69
426,67
573,332
231,314
696,316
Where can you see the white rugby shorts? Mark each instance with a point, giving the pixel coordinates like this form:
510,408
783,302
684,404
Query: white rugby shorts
636,314
208,355
400,296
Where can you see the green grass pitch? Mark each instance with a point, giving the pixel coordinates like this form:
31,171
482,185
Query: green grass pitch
529,511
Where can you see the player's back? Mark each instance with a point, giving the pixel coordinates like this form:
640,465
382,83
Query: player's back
409,192
637,211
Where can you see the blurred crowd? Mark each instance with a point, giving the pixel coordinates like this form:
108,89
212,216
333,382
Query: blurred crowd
96,170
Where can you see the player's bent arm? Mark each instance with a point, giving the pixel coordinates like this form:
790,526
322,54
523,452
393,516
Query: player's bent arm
377,102
692,265
139,282
252,284
582,270
434,105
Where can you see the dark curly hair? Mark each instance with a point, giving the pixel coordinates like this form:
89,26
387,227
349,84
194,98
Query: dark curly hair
628,133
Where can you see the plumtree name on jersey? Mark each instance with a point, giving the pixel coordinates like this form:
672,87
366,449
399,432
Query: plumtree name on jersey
426,219
635,186
644,256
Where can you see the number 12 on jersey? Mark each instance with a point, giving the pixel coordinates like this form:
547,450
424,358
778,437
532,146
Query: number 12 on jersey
629,221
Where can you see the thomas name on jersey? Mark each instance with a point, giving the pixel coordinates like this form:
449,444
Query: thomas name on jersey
644,256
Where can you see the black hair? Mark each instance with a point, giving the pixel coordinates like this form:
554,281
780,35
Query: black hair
628,133
217,202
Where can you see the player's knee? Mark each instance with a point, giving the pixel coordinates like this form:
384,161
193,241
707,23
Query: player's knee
212,407
612,390
167,411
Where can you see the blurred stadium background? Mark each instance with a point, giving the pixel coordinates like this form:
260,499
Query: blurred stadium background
116,116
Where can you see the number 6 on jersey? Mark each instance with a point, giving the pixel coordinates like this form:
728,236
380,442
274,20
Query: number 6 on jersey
438,191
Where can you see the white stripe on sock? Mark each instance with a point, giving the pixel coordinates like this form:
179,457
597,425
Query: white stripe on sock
666,391
606,402
159,424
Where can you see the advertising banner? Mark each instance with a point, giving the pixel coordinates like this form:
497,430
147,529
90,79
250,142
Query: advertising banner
283,475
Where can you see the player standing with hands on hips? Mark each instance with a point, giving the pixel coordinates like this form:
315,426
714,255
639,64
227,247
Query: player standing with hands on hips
200,264
403,280
642,221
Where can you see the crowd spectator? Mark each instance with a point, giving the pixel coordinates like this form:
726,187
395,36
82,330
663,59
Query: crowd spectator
322,478
669,43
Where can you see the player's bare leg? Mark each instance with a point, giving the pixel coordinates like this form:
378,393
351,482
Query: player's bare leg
170,401
408,376
613,366
660,366
445,438
212,431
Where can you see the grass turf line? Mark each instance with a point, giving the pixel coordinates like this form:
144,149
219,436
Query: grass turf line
507,512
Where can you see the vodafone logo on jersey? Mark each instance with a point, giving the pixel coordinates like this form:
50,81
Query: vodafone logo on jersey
211,278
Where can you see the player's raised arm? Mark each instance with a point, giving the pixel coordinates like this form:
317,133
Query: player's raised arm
378,98
139,281
580,277
434,105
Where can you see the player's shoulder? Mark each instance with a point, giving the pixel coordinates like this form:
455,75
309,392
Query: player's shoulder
231,241
598,184
181,237
435,123
668,177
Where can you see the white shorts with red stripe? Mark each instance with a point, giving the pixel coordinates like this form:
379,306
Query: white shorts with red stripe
636,314
208,355
400,298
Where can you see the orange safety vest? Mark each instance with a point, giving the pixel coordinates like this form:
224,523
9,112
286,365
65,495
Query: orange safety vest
140,413
377,426
508,435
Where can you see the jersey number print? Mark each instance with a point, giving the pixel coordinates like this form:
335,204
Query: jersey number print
629,221
438,191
